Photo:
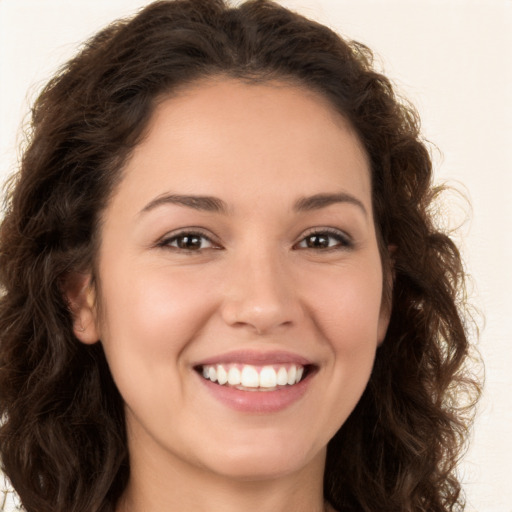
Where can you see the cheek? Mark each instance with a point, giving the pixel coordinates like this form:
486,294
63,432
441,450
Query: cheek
347,313
147,324
154,304
149,319
347,307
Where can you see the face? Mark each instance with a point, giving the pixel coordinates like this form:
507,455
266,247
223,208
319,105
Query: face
240,281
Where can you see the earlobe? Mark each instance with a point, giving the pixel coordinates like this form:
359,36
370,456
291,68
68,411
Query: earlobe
81,298
385,315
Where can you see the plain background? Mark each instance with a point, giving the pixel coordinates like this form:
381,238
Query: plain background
453,60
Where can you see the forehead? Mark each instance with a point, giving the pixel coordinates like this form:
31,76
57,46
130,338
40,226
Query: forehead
240,140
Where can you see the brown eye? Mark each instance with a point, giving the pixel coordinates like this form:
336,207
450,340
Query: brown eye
193,242
189,242
317,241
325,240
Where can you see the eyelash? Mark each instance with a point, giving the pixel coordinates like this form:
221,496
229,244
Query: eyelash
342,241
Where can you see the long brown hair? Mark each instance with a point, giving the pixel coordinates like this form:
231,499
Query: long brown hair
62,440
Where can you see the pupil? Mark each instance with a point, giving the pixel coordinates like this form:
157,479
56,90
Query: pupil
318,241
189,242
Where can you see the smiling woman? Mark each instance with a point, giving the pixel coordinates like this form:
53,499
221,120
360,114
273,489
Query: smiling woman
241,293
223,287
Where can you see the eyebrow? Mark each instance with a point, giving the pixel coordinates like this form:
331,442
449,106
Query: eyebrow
319,201
214,204
203,203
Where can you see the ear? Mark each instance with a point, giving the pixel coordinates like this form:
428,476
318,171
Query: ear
384,317
387,295
81,298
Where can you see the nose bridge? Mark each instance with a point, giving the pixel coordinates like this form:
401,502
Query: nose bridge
260,293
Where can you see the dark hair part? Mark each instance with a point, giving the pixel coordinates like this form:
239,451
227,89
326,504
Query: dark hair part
62,440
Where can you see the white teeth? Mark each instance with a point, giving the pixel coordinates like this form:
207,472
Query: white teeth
222,375
292,373
268,377
249,376
234,376
282,376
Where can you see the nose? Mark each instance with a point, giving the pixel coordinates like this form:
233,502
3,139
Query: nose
261,295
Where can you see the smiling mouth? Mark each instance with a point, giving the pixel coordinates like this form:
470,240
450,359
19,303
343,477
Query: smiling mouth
248,377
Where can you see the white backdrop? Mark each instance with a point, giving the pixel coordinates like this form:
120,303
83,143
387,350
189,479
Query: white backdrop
453,59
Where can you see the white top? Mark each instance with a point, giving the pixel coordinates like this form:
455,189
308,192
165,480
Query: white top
9,501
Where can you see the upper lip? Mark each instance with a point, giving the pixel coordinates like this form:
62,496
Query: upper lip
256,358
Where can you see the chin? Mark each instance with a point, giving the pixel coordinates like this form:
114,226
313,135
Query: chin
267,461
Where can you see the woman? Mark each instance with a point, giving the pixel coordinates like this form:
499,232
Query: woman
224,289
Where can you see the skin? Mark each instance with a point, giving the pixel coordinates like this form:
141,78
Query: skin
252,284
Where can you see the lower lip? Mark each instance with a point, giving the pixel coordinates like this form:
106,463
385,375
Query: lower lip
257,401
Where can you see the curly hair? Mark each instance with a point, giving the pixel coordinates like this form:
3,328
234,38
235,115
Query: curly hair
62,440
